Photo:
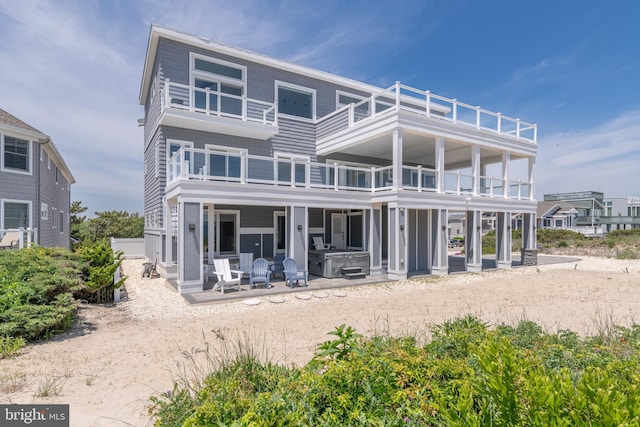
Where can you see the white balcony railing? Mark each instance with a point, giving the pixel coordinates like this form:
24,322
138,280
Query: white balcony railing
433,107
217,103
19,238
210,165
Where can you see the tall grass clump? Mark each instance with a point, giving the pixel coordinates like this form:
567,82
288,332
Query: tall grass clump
467,375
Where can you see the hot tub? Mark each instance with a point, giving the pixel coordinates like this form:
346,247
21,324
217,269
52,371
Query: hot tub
329,263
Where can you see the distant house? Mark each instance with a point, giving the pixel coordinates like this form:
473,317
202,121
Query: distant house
588,212
35,184
245,153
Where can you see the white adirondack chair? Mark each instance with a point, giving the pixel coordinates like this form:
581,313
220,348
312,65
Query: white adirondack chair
225,275
319,244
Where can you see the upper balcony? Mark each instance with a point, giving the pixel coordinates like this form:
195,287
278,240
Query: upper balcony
215,111
338,130
190,164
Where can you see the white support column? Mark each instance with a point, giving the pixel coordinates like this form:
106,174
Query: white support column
503,240
298,223
475,169
439,154
506,160
473,241
397,250
397,159
375,239
211,218
439,242
529,240
532,177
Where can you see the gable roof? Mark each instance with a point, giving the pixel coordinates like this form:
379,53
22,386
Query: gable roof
12,124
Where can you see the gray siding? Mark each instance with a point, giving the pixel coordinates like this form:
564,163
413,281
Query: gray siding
54,191
39,187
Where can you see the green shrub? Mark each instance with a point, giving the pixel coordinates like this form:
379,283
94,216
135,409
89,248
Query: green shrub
101,264
627,253
468,375
36,291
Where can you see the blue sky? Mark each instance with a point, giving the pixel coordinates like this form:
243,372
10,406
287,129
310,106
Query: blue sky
72,69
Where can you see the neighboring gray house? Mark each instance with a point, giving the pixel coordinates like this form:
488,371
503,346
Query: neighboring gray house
247,153
35,184
588,212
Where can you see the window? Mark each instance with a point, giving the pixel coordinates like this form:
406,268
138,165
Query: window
219,85
61,224
16,214
173,146
292,166
295,100
343,98
54,217
44,211
224,161
16,154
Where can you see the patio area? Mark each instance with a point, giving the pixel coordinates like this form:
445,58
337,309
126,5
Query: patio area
321,284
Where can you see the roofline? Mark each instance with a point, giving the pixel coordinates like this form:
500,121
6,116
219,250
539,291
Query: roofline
60,161
24,132
157,31
42,139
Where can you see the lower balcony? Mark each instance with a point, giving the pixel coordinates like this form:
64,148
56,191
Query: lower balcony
243,169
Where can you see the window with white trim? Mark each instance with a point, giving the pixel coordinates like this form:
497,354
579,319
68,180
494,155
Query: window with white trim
294,100
61,223
224,161
16,214
54,217
16,154
291,165
345,98
218,85
44,211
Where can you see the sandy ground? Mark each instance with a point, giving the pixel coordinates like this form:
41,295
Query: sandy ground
116,357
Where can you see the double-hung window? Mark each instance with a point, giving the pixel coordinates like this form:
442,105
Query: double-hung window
16,214
16,154
218,86
294,100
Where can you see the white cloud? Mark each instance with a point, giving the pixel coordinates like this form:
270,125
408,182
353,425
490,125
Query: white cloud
604,158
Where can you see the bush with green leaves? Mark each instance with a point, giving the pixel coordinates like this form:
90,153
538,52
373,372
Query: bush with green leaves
101,262
36,291
467,375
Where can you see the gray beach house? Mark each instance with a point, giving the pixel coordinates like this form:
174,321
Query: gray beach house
245,153
35,186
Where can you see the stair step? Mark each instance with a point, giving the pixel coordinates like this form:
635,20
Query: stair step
349,270
351,276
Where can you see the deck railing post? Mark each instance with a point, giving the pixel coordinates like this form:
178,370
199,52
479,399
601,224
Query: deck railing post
478,117
428,103
535,133
397,95
455,110
517,128
21,238
293,173
207,101
419,178
307,174
499,122
166,101
336,171
244,107
373,179
458,183
352,109
244,167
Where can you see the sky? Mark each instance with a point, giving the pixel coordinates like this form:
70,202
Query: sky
72,68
